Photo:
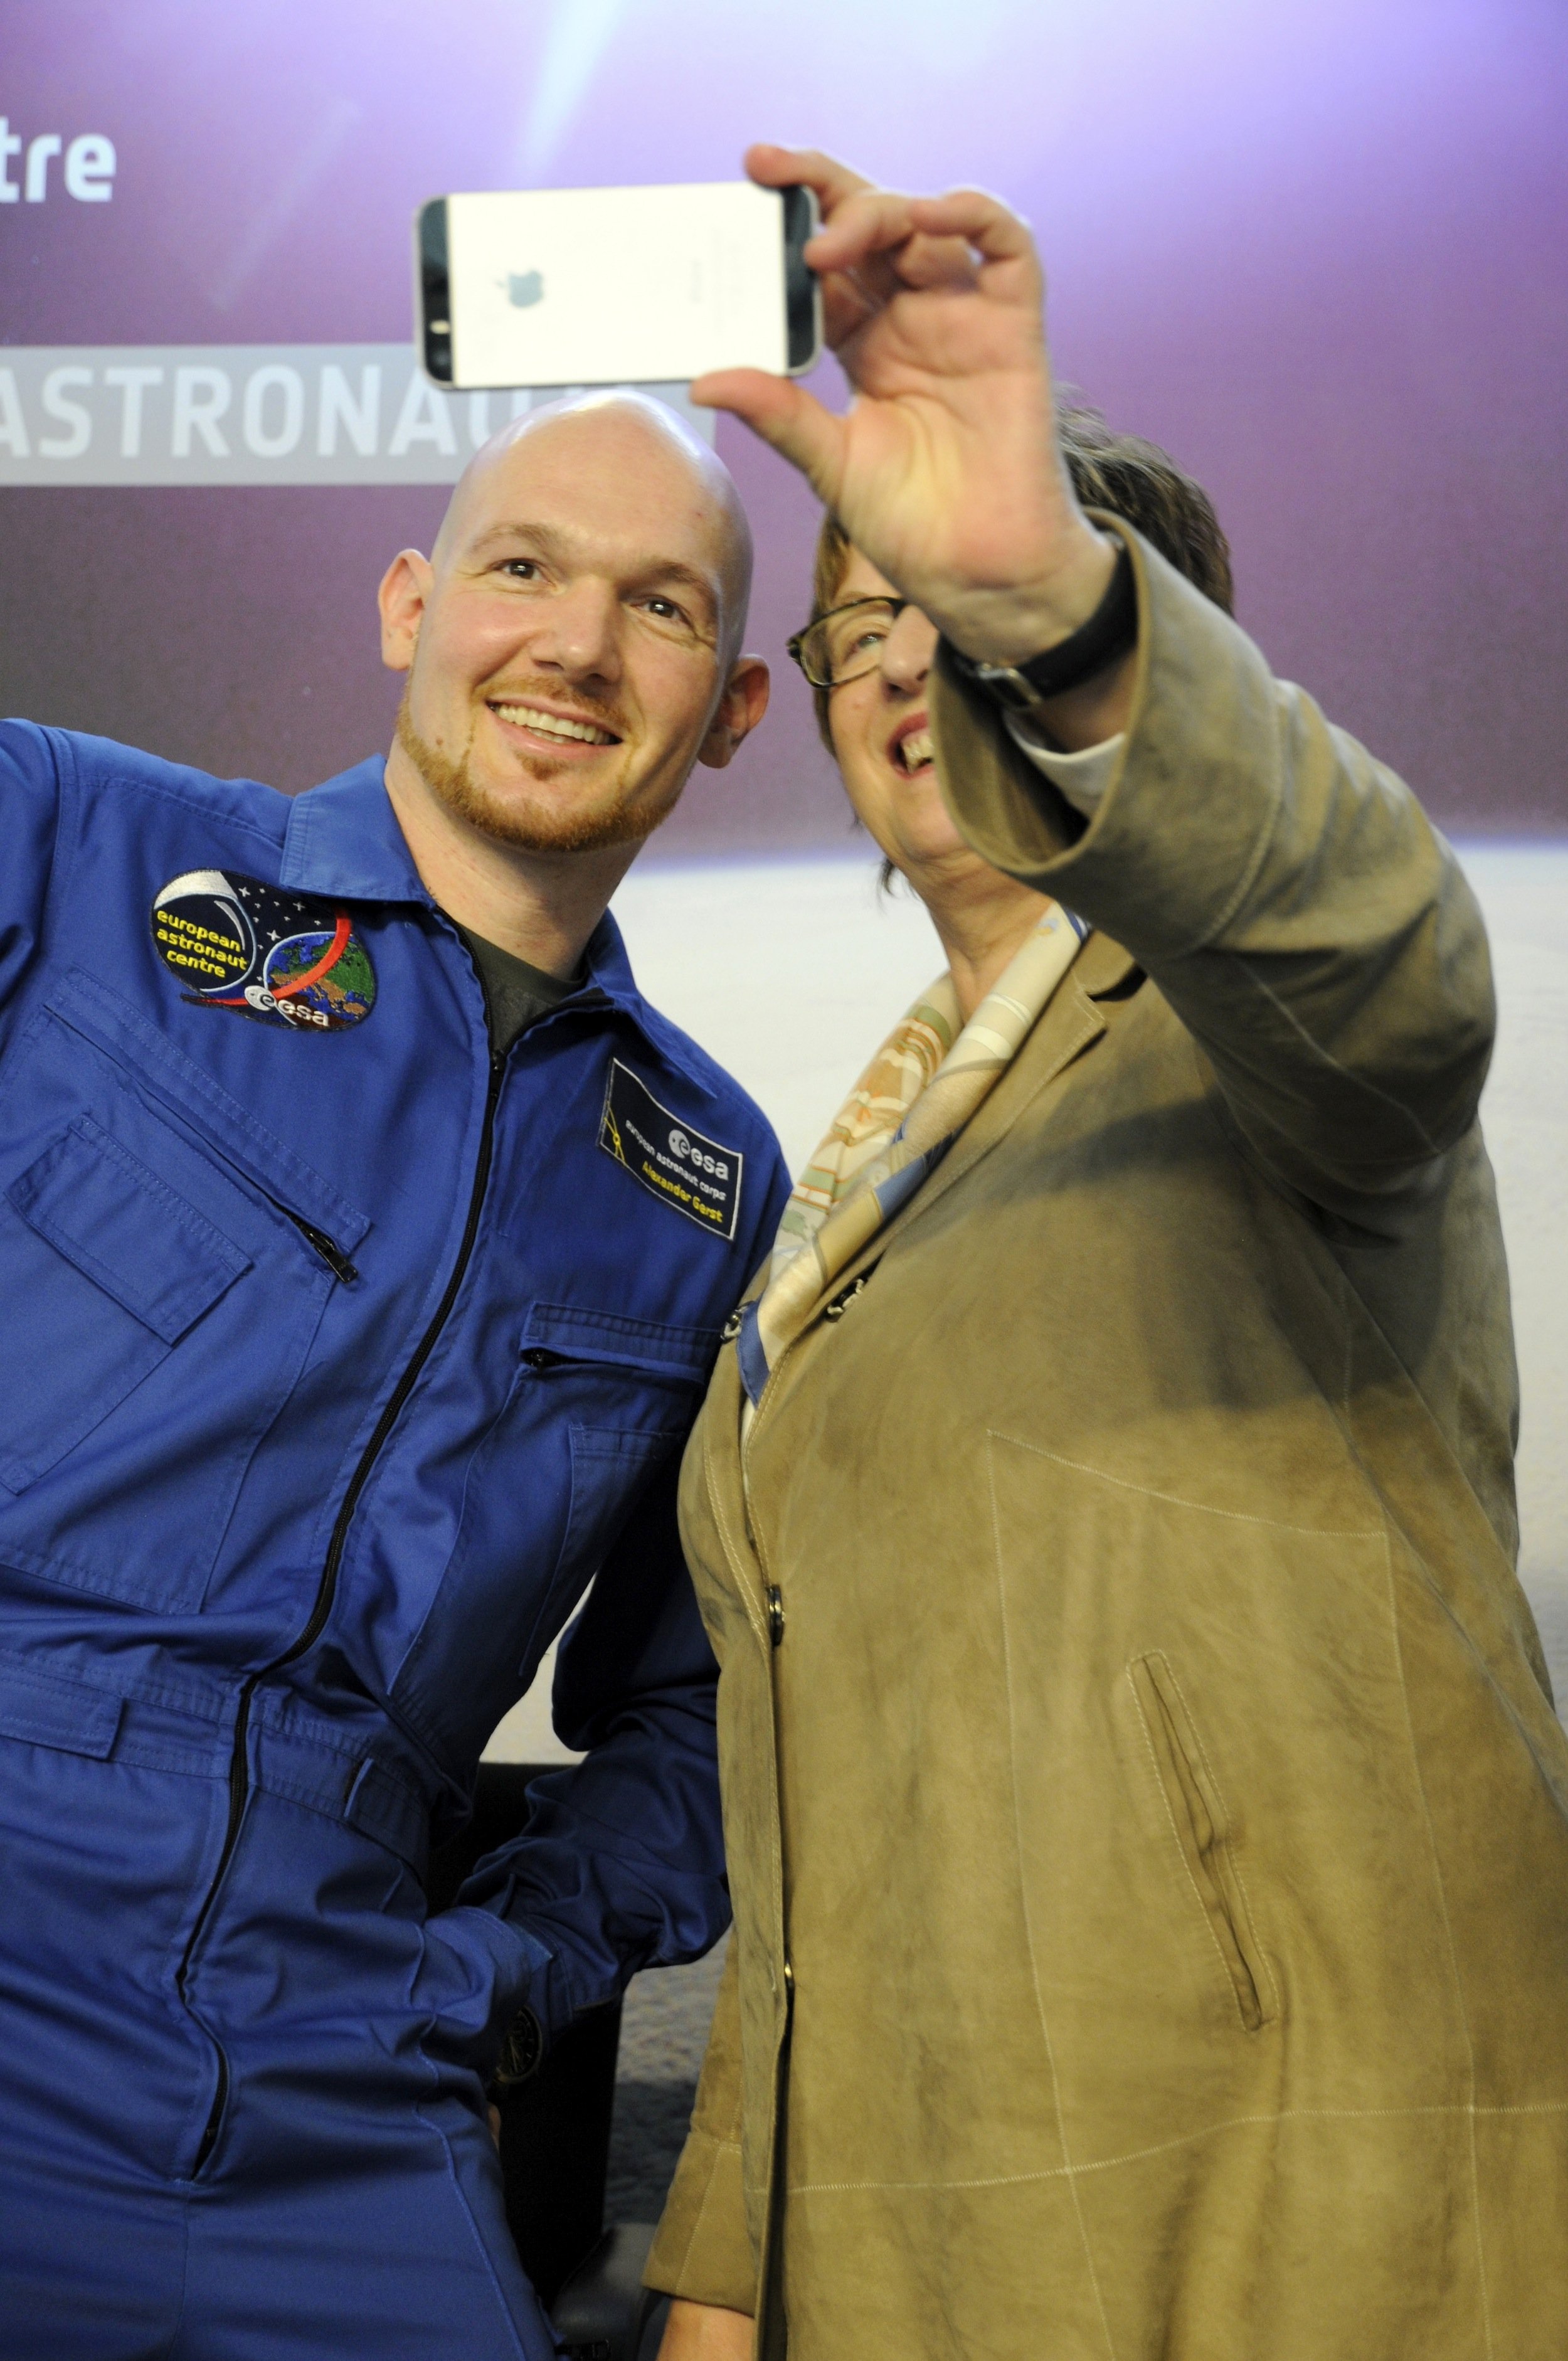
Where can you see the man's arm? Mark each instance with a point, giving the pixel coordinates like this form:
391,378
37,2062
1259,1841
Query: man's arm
621,1865
29,826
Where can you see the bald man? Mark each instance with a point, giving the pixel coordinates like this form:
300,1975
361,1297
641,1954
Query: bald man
365,1244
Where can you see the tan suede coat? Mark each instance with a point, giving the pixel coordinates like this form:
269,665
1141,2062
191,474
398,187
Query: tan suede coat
1149,1834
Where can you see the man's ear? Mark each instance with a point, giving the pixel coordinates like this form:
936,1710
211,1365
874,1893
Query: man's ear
742,707
405,587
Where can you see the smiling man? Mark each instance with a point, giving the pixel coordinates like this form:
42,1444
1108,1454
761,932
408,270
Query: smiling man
366,1240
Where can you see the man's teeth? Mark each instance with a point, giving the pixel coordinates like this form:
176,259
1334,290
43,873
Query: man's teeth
916,748
553,725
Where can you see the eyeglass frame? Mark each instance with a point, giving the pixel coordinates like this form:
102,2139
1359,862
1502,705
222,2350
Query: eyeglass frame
796,644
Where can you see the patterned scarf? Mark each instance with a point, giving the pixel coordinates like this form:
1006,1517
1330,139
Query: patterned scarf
893,1131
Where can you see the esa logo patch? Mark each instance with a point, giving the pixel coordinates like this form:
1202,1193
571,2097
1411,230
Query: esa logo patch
284,959
695,1175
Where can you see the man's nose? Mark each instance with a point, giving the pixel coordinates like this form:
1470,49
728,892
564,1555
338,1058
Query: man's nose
907,652
579,632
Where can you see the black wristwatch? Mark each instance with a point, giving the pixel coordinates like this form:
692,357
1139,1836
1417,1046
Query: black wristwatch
522,2048
1109,633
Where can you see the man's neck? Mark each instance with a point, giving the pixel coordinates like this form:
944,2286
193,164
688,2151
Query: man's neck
541,907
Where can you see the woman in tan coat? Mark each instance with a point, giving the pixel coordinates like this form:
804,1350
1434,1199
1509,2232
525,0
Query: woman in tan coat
1148,1821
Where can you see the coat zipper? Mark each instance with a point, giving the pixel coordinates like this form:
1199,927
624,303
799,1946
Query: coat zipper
239,1768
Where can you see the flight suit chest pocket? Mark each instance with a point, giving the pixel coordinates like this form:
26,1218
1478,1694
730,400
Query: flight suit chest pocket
103,1268
623,1391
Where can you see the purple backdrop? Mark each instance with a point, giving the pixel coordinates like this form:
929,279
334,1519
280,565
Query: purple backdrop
1315,247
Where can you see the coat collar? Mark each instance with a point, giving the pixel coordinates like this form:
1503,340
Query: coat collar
342,840
1070,1023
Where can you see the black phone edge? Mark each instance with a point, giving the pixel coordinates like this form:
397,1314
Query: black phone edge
803,296
434,291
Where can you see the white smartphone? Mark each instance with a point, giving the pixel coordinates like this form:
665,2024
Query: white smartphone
650,286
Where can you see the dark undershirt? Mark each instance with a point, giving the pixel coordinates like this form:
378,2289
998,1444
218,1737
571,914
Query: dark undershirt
516,995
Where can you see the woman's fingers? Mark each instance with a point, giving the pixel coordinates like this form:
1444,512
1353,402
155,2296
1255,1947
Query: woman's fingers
867,223
784,414
886,241
927,261
786,167
862,222
861,258
848,299
875,243
988,227
845,306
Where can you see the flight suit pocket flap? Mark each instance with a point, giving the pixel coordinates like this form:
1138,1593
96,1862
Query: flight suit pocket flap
227,1129
125,1229
619,1337
43,1712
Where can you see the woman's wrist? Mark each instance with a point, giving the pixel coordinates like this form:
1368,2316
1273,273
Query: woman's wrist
996,626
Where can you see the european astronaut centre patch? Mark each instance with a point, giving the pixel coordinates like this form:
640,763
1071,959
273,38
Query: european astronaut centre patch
695,1176
284,959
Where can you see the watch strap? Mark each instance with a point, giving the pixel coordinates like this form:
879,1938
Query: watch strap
1107,634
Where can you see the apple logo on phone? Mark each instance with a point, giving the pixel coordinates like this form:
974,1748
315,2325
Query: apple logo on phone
525,287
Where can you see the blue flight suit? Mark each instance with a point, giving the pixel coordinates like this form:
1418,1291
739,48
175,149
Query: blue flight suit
339,1356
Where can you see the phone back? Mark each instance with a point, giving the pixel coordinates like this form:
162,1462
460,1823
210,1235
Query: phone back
613,286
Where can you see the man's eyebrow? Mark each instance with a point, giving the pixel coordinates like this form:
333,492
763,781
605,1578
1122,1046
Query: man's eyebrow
671,569
552,543
541,536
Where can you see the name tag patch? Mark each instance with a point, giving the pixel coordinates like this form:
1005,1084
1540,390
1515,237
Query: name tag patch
695,1175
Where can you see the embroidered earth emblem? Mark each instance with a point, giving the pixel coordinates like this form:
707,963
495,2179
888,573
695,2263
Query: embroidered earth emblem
317,971
281,958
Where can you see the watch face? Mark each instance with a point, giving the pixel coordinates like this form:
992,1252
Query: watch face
522,2048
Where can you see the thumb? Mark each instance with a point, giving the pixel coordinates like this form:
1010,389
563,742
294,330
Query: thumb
785,414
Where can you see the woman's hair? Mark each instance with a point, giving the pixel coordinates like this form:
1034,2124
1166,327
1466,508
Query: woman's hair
1132,478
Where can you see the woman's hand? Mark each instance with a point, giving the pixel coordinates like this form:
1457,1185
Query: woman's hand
706,2332
945,470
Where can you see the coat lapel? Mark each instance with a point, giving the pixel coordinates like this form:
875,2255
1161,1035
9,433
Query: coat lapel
1070,1024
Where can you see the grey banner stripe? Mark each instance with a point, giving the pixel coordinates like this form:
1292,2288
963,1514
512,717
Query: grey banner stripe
246,414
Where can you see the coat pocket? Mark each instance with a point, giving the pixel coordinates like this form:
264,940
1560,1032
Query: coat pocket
103,1269
1203,1832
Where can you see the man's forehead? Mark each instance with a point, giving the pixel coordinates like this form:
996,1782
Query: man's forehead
614,471
616,486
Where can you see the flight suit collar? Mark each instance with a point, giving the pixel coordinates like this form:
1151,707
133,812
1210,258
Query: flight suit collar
342,840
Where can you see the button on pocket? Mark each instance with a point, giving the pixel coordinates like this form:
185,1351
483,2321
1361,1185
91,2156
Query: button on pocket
103,1269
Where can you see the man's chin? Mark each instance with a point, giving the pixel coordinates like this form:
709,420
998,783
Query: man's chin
554,809
537,824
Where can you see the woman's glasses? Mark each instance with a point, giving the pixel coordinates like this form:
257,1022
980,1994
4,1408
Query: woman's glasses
845,642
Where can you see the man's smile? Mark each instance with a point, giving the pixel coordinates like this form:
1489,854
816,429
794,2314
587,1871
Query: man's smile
551,725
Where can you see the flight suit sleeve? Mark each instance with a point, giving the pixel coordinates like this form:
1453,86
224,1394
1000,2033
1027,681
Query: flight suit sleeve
702,2249
1284,890
622,1864
30,804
